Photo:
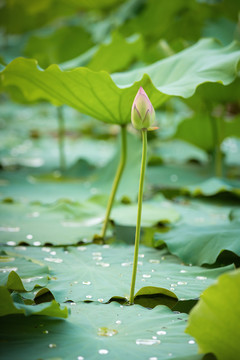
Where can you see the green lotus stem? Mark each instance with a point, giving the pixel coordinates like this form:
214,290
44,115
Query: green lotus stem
139,214
61,134
116,179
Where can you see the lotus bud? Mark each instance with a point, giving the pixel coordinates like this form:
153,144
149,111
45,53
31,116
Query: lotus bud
143,114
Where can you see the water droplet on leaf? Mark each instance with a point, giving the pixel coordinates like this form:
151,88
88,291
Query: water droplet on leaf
103,351
161,332
201,278
86,282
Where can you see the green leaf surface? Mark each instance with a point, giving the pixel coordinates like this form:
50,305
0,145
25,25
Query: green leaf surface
201,244
8,306
19,273
214,321
98,273
96,331
109,98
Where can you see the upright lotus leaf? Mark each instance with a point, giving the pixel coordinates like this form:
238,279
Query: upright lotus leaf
110,98
214,321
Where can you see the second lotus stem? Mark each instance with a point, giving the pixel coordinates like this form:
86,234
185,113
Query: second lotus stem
116,179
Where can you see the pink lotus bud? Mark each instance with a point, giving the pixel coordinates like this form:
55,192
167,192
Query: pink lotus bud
143,114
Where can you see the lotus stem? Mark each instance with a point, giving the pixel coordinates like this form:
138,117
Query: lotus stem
139,214
117,179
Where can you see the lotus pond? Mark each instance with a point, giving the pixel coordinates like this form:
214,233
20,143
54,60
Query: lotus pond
116,245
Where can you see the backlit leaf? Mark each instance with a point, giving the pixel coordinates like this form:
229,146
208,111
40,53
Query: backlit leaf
109,98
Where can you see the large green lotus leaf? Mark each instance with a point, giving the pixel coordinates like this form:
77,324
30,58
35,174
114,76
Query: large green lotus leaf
214,321
8,306
18,273
98,273
213,186
109,98
201,244
95,331
56,47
